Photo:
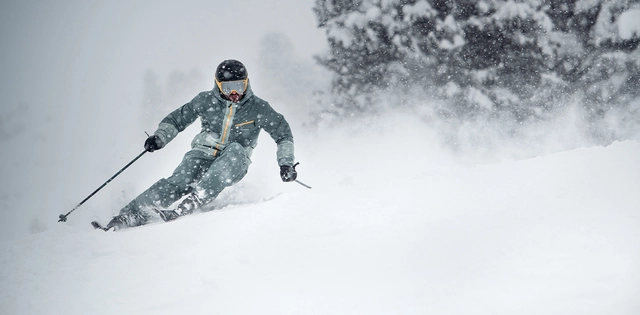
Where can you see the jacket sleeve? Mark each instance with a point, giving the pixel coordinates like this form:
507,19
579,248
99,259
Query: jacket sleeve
178,120
278,128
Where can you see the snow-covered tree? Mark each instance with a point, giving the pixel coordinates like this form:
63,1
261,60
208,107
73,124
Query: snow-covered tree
480,56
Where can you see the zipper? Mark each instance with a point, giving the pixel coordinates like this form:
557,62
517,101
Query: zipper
245,123
225,130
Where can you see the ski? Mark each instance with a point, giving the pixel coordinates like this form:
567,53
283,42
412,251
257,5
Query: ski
166,215
97,226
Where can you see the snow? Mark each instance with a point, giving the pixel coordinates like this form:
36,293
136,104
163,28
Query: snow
339,35
449,25
477,97
514,11
584,5
419,9
629,24
396,228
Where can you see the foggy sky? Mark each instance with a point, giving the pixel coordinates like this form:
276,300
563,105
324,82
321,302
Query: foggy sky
72,84
78,45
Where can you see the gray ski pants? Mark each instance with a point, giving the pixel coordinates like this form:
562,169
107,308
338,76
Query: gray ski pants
198,172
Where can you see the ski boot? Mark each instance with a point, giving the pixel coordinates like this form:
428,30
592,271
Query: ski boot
118,222
187,206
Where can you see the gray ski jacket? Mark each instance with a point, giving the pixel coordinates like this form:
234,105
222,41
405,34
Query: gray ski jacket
225,122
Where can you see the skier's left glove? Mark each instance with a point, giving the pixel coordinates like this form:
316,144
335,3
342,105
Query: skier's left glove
288,173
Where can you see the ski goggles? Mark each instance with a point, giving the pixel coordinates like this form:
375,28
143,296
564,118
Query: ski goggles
228,87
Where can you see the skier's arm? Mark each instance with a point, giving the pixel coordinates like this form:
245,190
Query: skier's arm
285,153
278,128
178,120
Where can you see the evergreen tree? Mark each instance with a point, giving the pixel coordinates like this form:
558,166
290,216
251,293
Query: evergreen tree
480,56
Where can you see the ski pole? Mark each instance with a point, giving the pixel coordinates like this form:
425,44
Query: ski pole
63,217
303,184
297,181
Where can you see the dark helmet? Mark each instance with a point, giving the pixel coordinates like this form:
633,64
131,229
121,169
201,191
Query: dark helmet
231,70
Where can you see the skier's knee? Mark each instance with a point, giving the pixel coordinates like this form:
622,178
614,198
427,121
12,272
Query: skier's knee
235,149
177,183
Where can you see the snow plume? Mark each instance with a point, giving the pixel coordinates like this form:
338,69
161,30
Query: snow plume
393,225
503,68
489,135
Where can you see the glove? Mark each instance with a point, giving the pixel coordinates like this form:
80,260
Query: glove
153,143
288,173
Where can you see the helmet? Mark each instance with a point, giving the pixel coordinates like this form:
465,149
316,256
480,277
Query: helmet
231,70
231,75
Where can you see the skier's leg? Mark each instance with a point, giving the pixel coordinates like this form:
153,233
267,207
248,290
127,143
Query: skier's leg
226,170
164,192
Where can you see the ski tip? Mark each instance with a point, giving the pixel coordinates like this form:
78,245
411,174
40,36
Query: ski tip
97,226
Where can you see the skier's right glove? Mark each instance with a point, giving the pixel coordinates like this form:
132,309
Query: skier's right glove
153,143
288,173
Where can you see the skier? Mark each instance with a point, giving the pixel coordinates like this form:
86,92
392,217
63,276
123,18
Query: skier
232,117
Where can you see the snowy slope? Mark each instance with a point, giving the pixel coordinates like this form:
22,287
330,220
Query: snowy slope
402,230
395,224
